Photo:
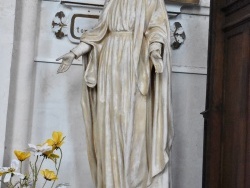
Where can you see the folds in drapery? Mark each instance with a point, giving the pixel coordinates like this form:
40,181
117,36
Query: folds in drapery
151,26
160,127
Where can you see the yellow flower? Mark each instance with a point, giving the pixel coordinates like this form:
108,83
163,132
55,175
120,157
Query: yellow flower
2,173
51,155
49,175
21,156
56,141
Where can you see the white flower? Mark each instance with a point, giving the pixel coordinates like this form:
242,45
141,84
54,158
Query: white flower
11,171
39,150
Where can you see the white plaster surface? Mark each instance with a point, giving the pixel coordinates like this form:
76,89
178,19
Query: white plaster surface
22,78
187,157
7,17
205,3
57,108
49,47
194,50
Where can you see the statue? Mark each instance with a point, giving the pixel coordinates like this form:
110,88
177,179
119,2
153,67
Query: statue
126,97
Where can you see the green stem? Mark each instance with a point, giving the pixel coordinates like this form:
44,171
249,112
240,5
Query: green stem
11,185
57,169
17,184
21,169
32,169
36,174
44,183
41,165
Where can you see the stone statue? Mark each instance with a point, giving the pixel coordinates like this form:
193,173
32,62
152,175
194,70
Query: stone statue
126,97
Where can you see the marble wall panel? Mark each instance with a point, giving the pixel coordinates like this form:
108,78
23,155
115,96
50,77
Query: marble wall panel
57,108
193,53
187,154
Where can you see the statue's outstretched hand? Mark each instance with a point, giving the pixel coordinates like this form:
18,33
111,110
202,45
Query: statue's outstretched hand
157,61
67,60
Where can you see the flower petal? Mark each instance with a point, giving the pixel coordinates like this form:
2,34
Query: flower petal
55,136
21,176
32,147
21,155
38,153
7,178
4,169
15,164
50,142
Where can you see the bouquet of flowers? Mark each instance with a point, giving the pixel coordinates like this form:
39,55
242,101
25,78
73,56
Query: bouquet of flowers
15,177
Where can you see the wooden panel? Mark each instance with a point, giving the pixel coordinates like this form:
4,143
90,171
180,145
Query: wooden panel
234,112
247,60
227,133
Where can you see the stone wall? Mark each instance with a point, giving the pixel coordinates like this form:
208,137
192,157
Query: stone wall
37,101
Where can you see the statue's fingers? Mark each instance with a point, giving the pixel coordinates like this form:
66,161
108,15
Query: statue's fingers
156,55
59,58
64,68
61,68
157,61
158,67
154,61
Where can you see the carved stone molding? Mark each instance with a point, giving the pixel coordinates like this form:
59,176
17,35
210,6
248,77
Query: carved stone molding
178,35
59,24
84,16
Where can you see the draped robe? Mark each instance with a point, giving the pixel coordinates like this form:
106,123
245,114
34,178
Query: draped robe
126,105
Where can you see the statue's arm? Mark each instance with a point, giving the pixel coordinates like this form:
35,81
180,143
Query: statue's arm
156,57
81,49
75,53
157,33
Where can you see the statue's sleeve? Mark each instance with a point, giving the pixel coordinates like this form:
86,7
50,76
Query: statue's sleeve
157,32
161,125
95,39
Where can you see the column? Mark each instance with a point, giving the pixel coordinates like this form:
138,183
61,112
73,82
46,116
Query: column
7,20
22,78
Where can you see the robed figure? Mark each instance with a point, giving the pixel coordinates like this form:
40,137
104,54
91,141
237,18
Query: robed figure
126,97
